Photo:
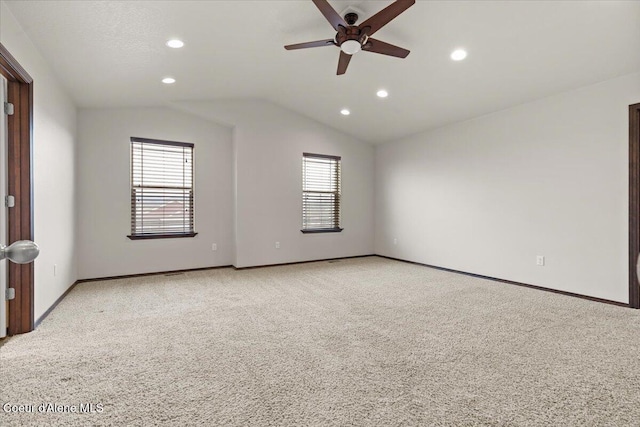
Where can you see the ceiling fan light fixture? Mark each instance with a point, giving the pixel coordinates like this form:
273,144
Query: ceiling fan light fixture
351,47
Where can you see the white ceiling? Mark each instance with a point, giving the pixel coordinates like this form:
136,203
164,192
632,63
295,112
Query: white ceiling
113,53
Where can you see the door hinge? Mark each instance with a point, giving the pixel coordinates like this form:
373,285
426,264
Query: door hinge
8,108
10,294
9,201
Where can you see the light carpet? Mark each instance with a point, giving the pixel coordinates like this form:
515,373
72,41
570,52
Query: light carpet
362,342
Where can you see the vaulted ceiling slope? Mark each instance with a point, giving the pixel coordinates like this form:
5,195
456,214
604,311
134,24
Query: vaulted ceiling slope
113,53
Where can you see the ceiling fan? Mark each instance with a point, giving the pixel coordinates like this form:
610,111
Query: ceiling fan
352,38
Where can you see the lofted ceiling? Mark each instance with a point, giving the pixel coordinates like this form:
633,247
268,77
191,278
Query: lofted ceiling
113,54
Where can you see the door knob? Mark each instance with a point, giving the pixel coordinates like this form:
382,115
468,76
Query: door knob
20,252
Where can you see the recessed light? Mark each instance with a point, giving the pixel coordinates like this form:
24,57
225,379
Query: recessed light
168,80
382,93
458,54
345,112
175,43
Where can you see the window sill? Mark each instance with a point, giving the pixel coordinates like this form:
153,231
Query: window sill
322,230
160,236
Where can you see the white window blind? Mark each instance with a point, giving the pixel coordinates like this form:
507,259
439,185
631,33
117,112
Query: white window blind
320,193
161,189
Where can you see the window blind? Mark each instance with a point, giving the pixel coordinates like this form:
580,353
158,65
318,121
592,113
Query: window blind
321,193
161,189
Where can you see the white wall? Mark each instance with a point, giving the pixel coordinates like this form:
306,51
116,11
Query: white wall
54,145
269,142
488,195
104,193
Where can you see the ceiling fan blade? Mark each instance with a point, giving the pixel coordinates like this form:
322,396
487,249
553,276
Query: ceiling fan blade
318,43
385,16
343,63
377,46
330,13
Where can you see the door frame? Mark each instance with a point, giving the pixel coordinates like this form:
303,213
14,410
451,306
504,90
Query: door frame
20,185
634,203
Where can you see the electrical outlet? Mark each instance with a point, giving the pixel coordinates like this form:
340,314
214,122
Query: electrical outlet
540,260
55,269
214,246
277,245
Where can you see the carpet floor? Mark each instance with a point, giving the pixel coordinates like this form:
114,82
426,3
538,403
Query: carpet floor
358,342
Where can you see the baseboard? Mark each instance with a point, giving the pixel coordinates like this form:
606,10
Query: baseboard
54,305
510,282
302,262
155,273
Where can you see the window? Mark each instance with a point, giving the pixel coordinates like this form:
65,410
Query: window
161,189
320,193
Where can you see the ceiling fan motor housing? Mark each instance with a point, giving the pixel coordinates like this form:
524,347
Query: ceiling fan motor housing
351,18
352,32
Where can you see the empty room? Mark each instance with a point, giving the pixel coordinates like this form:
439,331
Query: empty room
320,213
